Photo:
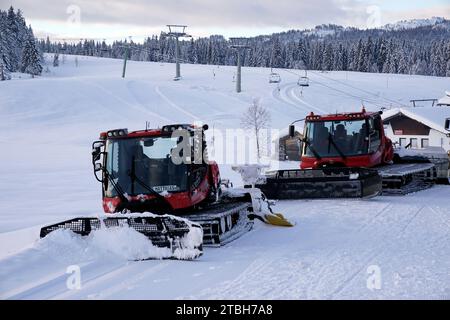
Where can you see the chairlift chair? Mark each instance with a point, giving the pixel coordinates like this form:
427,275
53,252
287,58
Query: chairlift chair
303,82
274,78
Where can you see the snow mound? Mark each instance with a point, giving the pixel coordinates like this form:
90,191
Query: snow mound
123,243
126,243
189,243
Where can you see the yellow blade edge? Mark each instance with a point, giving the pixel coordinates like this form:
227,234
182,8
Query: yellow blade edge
277,219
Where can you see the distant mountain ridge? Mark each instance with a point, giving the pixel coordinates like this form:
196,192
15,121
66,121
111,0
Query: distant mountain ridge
418,23
332,30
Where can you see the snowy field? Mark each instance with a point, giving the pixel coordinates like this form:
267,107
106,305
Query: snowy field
47,127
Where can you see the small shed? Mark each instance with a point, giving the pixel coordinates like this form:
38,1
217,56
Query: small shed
289,148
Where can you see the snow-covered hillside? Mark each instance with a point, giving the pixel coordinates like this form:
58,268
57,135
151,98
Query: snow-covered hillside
47,127
417,23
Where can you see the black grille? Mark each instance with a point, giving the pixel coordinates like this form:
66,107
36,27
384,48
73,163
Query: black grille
160,230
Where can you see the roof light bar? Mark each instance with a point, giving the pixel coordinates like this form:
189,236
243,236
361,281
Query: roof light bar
117,133
173,127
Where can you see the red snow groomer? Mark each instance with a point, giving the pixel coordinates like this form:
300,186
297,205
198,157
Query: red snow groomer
166,172
348,155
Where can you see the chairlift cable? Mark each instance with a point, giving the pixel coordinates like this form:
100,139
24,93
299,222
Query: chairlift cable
351,86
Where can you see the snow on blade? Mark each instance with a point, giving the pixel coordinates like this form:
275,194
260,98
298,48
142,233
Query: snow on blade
123,243
120,242
188,244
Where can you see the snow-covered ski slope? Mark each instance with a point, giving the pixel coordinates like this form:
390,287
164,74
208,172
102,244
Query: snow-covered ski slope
46,129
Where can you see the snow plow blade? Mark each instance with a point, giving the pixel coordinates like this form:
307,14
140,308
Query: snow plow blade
277,219
323,183
182,237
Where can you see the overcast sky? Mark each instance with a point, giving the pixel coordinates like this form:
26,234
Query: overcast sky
117,19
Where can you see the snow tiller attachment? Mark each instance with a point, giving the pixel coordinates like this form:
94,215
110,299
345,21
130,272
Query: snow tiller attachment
182,238
322,183
223,222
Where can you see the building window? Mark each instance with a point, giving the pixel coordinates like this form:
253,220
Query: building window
413,143
402,142
425,143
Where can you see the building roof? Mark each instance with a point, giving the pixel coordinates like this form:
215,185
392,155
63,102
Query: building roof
445,100
433,117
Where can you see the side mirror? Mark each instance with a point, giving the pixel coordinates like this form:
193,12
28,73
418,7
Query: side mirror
447,124
96,152
97,158
291,131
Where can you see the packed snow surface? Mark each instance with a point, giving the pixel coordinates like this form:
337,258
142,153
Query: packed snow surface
386,247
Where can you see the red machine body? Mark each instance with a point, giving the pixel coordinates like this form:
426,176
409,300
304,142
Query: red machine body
355,140
177,200
191,184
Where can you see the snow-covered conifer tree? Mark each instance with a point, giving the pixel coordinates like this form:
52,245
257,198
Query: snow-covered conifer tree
31,59
56,60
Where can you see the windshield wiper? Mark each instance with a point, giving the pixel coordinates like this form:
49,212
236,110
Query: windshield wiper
116,186
134,177
315,153
331,140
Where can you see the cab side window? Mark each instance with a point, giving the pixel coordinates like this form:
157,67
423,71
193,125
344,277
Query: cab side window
375,134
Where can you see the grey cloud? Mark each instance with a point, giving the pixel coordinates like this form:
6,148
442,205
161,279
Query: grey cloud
201,13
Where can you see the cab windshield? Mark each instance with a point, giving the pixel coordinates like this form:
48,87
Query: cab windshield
137,165
336,138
